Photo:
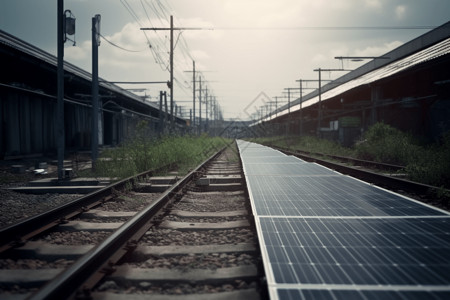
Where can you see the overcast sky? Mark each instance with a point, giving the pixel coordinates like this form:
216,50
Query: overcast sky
256,45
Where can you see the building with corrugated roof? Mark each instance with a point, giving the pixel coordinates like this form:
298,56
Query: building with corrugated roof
28,89
409,90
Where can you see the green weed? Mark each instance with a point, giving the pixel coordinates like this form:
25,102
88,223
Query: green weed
428,164
143,152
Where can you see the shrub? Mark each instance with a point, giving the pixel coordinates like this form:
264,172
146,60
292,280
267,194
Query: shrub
433,165
143,153
384,143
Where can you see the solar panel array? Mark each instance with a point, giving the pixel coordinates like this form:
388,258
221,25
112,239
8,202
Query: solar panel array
324,235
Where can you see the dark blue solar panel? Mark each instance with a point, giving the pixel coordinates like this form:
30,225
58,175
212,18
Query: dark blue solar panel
305,294
328,236
261,151
358,251
327,196
271,159
294,169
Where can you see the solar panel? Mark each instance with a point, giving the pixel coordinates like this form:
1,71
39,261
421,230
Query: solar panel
271,159
324,235
310,253
335,195
247,149
293,169
260,152
297,294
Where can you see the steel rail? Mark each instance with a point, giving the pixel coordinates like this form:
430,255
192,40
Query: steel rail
99,261
376,178
361,162
16,234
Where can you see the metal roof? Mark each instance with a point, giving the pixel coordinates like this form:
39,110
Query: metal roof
427,47
22,46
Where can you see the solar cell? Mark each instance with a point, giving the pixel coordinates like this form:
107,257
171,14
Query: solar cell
327,196
256,152
358,251
293,169
304,294
271,159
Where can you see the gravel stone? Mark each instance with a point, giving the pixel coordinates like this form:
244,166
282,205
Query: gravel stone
34,264
164,237
18,206
75,238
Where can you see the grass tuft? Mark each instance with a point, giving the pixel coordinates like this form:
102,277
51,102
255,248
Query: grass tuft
429,164
143,153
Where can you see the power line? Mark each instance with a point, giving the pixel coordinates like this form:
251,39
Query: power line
326,28
117,46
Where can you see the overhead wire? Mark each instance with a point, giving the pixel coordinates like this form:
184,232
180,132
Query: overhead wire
120,47
159,43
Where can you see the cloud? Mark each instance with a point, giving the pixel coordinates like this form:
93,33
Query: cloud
200,55
319,58
400,11
377,50
78,52
374,4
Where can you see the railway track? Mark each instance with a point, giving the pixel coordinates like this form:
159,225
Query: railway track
427,193
196,241
350,160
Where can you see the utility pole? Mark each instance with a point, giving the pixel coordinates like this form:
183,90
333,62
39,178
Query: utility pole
65,26
206,108
276,106
161,116
301,98
165,110
171,83
200,106
289,97
320,70
194,71
300,110
289,108
60,84
171,75
193,93
95,100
